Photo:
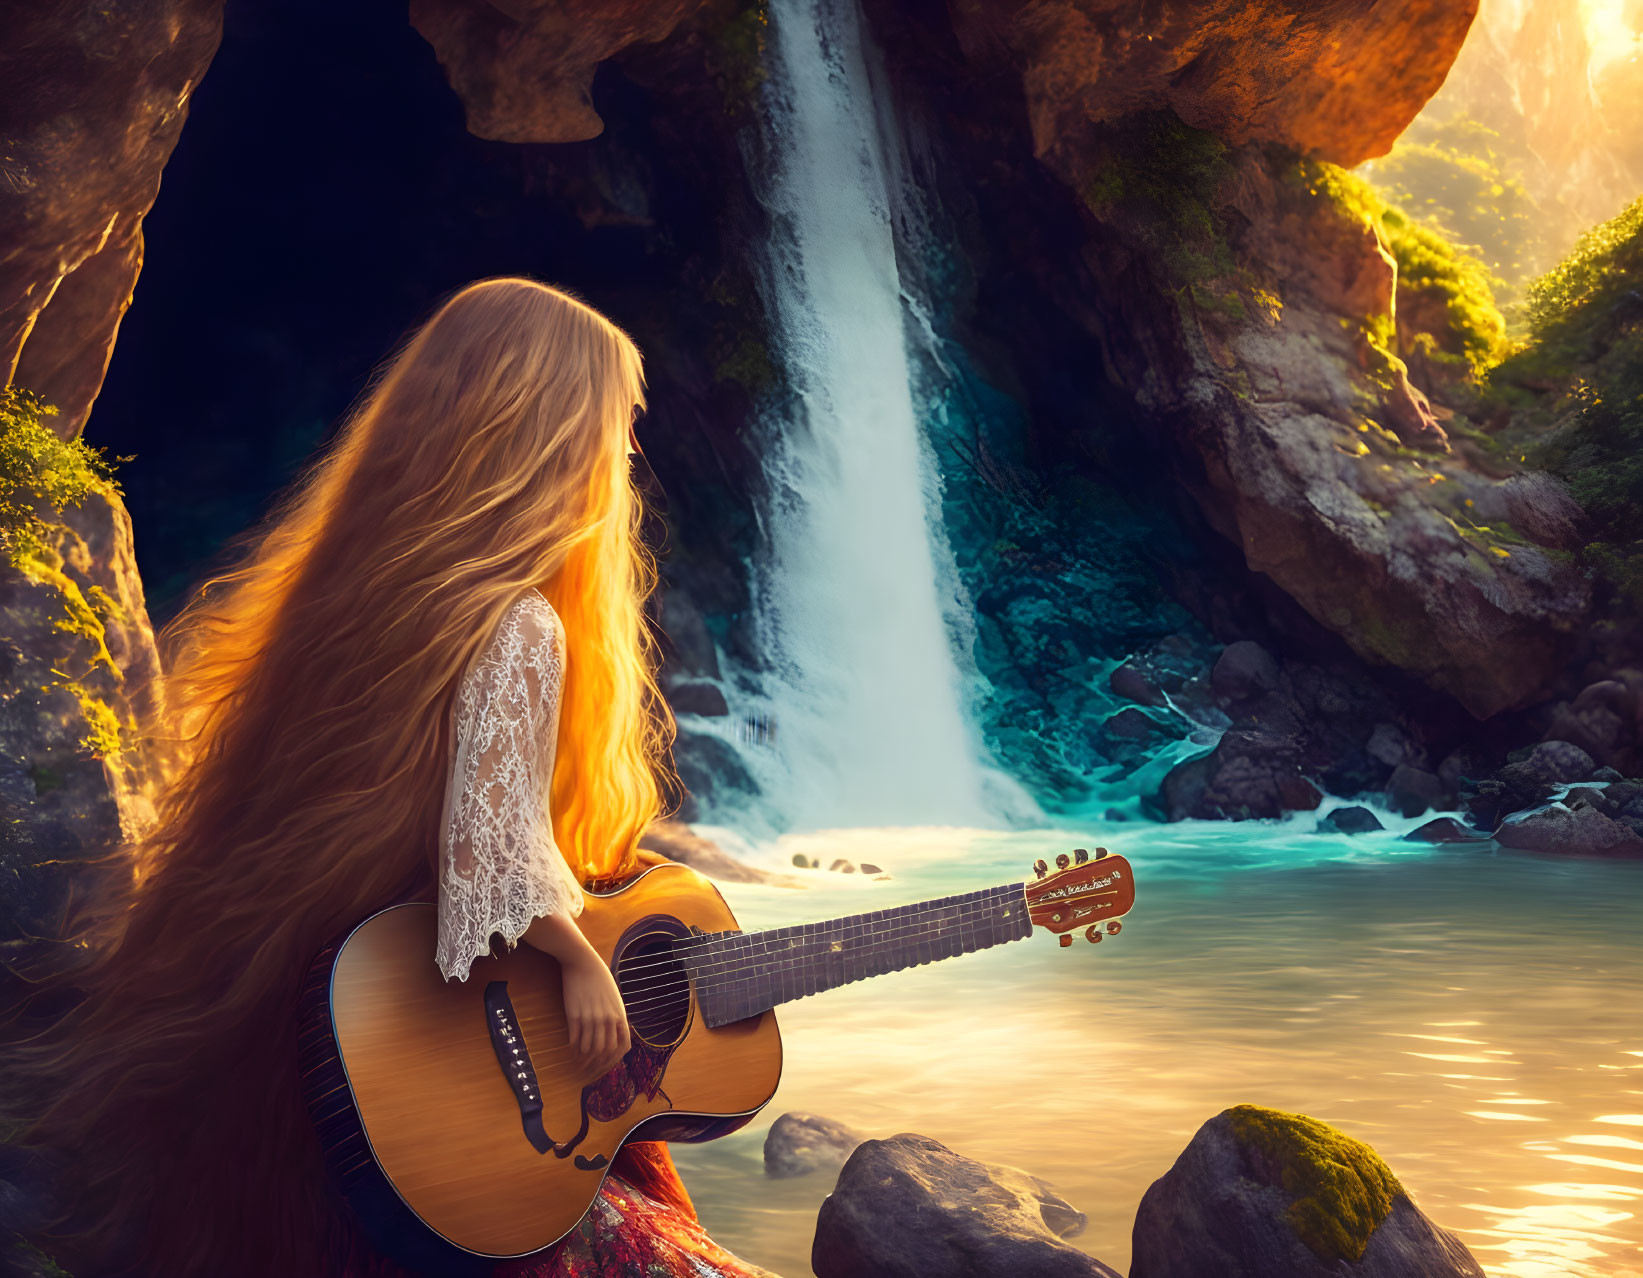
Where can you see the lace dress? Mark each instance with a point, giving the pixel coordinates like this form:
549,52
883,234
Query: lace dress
500,870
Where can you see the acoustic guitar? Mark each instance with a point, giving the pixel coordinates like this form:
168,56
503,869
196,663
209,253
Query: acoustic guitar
453,1116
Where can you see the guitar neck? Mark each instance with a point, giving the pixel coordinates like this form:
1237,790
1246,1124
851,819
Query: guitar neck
740,974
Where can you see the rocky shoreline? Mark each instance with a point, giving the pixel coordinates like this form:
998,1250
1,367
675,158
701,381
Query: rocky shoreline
1257,1193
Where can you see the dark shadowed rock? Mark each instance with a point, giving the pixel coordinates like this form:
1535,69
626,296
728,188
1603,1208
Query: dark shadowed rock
1556,762
1132,684
798,1144
1444,830
1243,671
1263,1194
1352,820
1412,791
1249,774
1578,831
693,697
909,1207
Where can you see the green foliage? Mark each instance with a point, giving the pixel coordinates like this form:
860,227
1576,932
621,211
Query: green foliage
1474,331
1341,1188
40,476
1605,264
1578,386
736,54
1429,264
1164,178
1456,177
36,467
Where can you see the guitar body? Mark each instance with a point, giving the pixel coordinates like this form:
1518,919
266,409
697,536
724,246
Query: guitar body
405,1073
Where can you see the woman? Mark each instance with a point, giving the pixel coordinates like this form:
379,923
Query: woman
365,709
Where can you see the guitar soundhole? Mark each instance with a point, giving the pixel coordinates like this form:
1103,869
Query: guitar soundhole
656,989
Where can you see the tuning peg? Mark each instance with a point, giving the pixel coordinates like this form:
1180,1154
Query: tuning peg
1081,855
1114,927
1065,940
1092,933
1041,867
1063,861
1100,852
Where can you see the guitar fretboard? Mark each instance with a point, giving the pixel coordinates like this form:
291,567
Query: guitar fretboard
738,974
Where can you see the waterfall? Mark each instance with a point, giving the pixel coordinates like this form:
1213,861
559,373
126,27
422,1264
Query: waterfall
863,688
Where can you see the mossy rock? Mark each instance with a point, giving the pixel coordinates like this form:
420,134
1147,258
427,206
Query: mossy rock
1342,1189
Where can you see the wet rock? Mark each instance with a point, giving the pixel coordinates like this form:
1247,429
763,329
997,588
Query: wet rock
1463,767
843,866
867,867
1592,797
1259,1193
1130,724
1412,791
1249,774
1577,831
909,1207
1390,744
697,698
1131,683
1555,762
1606,774
1243,671
1623,794
1444,830
1351,820
678,842
798,1144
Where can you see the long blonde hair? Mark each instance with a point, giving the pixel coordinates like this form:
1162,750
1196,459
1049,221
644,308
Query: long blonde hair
307,696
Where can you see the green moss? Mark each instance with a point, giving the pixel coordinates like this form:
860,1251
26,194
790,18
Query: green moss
1164,180
41,475
1429,265
748,363
1342,1190
736,55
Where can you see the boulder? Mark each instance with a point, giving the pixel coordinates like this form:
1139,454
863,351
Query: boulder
697,697
1412,791
1445,830
1243,671
1263,1194
1554,763
798,1144
1349,820
1571,831
909,1207
1340,80
1249,774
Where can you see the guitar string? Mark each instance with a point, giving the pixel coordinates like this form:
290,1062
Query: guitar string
560,1055
752,957
789,961
914,910
898,922
899,913
916,916
749,961
971,906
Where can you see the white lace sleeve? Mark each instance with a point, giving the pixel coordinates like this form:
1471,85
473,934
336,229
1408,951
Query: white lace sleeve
499,866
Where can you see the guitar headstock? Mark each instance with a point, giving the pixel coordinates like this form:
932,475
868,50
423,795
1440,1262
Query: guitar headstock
1081,893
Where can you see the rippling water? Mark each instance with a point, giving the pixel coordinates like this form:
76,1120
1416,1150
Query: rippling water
1474,1014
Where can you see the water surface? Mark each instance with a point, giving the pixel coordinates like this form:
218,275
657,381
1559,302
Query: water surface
1474,1014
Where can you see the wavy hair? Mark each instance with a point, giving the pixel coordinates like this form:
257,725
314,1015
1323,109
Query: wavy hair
307,695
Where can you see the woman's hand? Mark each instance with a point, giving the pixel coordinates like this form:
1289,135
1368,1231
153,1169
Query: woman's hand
594,1012
597,1020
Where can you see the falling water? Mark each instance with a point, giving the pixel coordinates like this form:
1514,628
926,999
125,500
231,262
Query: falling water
867,695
